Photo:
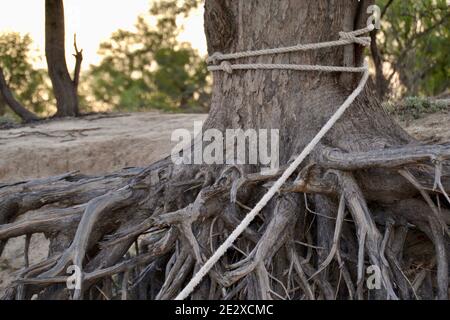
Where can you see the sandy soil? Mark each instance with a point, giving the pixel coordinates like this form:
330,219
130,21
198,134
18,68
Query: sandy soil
432,128
92,145
97,144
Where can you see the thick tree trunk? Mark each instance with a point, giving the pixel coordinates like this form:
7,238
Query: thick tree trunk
297,103
361,200
64,89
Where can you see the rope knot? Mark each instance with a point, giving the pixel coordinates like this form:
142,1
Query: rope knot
226,66
364,41
214,58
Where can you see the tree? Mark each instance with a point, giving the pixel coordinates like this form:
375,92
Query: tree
8,98
366,166
413,42
64,88
19,81
20,74
149,68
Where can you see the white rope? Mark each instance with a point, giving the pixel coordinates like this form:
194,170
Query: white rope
349,36
345,39
228,67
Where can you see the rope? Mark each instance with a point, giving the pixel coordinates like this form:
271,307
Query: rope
228,67
346,38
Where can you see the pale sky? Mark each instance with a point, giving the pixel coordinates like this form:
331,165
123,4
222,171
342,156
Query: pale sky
92,20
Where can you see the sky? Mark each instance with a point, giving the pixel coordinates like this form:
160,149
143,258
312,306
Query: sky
92,20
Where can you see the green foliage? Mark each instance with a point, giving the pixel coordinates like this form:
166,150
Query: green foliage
149,68
415,107
30,86
8,121
415,39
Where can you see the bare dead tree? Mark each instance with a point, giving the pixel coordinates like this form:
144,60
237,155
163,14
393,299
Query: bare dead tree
64,88
78,60
369,194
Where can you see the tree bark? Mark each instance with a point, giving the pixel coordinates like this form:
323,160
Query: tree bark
63,86
381,83
78,60
2,106
297,103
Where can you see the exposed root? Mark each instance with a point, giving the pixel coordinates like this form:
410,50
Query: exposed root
142,234
76,252
438,228
366,229
337,234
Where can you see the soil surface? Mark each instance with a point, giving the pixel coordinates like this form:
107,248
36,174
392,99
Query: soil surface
92,145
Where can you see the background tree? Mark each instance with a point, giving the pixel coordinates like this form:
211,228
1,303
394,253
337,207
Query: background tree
22,81
413,41
64,88
364,197
149,68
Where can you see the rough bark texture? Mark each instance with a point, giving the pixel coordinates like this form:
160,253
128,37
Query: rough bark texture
297,103
369,195
63,86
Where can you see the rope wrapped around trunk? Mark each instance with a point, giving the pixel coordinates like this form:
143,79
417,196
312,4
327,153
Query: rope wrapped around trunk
345,39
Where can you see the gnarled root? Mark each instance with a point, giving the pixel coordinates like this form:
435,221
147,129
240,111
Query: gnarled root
142,234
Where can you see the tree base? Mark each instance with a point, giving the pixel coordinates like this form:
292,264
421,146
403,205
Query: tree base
142,234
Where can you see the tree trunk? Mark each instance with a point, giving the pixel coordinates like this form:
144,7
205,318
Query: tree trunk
297,103
362,200
6,96
63,86
2,106
381,83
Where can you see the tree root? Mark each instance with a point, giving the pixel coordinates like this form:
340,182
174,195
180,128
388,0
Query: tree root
143,233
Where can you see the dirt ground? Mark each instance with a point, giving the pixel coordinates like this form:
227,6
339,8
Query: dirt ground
432,128
97,144
92,145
